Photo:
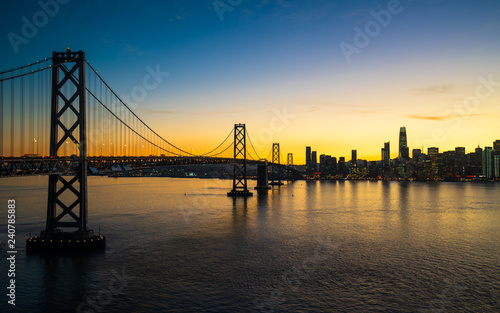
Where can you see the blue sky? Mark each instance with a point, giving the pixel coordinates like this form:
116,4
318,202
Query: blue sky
285,55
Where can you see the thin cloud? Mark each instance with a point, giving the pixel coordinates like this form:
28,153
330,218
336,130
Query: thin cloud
129,49
150,111
440,118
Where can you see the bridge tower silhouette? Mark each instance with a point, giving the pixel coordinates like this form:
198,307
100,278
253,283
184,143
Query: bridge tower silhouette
289,166
276,169
240,188
78,235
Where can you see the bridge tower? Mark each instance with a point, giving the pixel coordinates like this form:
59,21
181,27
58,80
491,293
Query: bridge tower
276,179
240,167
289,166
66,228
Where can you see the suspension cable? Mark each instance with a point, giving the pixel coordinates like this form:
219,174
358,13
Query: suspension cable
251,144
160,137
112,113
29,64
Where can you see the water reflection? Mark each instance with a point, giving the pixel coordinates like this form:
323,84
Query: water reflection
398,243
404,210
63,280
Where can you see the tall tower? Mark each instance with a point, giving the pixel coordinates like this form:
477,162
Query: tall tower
67,225
403,144
314,161
488,162
386,154
308,159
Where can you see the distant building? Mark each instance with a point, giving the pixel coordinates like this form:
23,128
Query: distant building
308,159
460,161
488,162
322,163
432,151
496,168
476,162
327,165
354,157
342,168
415,153
403,145
460,150
496,146
386,154
314,161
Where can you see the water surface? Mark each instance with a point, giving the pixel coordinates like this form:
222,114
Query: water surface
181,245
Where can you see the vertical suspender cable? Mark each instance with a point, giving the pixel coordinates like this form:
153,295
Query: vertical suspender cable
12,116
45,133
38,110
31,114
129,134
22,117
1,119
90,122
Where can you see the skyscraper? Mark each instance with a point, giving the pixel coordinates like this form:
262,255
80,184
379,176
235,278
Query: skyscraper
354,157
386,154
476,162
488,162
314,161
341,165
308,158
403,145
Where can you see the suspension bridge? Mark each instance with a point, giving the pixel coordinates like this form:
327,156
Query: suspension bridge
60,118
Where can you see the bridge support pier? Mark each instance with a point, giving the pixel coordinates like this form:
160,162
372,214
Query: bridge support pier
262,177
65,194
240,168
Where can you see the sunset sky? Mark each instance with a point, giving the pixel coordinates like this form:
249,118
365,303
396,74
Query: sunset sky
279,67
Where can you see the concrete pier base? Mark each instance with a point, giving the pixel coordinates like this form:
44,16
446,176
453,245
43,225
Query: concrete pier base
64,241
239,193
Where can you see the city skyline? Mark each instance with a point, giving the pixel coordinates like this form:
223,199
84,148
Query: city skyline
296,81
396,154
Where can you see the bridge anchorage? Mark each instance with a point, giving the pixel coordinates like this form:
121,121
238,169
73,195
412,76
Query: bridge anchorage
66,229
240,168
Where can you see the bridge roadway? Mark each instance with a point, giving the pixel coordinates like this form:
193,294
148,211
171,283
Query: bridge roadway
27,166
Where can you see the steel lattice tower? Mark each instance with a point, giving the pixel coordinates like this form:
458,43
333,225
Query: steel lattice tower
60,213
240,167
276,179
289,165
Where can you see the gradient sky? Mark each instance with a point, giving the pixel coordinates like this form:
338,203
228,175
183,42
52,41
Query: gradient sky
422,70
